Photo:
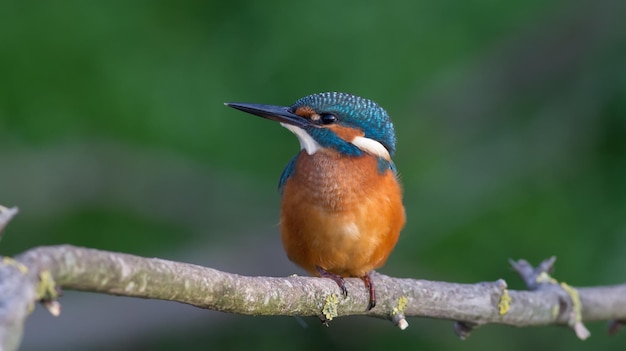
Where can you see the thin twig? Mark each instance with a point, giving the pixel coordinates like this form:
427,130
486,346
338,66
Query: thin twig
6,214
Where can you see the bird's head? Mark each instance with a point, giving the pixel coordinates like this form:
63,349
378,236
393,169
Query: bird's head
349,124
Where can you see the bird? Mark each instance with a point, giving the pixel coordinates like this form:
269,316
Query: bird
341,206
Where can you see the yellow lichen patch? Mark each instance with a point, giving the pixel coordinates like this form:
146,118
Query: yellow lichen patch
546,278
46,289
576,317
330,307
11,262
576,304
402,302
397,313
555,311
577,322
505,302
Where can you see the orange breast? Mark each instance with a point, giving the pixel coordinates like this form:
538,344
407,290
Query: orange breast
340,213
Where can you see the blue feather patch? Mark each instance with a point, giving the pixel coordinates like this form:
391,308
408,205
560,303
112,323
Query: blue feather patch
287,172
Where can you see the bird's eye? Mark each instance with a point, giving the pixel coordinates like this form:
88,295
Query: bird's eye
328,118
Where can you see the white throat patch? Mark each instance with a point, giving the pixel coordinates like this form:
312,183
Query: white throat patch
306,141
371,146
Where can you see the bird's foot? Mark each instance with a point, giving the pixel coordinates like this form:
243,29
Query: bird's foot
370,286
336,278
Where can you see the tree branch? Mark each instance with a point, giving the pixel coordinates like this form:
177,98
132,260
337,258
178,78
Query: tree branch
35,274
39,274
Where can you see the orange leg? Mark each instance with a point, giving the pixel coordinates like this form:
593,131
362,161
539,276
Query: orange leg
342,284
369,284
338,279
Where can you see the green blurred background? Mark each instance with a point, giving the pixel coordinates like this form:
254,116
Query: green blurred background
510,115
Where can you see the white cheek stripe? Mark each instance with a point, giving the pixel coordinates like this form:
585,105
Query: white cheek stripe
306,141
371,146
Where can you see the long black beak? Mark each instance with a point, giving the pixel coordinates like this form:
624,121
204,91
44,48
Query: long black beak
275,113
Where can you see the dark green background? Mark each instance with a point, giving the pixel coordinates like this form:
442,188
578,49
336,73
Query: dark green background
510,115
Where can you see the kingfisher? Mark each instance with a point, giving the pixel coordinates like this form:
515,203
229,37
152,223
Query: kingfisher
341,209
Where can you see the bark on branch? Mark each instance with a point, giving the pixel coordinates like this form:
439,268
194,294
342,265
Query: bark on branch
38,274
